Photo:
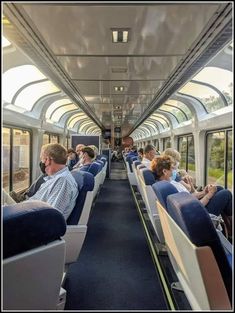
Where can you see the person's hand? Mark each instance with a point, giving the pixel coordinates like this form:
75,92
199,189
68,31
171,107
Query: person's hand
212,189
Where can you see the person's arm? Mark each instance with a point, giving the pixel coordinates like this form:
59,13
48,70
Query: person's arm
208,195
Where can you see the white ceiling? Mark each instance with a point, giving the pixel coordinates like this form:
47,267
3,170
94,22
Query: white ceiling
78,37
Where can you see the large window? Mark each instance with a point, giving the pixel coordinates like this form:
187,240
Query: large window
166,143
16,159
219,158
186,150
50,138
6,133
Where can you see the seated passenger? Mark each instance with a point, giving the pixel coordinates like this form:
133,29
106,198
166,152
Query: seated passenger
72,158
133,152
60,189
149,155
87,156
96,151
140,154
177,157
216,199
78,149
21,196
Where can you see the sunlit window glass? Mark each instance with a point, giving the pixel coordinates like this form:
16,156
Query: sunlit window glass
6,158
166,143
230,161
62,110
209,97
45,139
21,159
191,157
27,98
17,77
183,152
215,158
54,139
74,119
56,105
219,78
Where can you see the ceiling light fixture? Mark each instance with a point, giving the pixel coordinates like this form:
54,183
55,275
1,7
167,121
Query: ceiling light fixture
120,35
118,88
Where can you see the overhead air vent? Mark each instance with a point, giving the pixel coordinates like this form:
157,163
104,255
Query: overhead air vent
119,69
121,35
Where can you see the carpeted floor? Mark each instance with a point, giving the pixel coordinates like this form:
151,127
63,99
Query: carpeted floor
115,269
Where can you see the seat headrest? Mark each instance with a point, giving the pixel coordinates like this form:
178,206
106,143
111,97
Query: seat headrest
194,220
88,185
79,178
94,168
163,189
148,176
100,162
30,224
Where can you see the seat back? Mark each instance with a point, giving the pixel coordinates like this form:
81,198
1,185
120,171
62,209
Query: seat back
163,189
148,177
34,256
194,249
191,216
81,210
94,168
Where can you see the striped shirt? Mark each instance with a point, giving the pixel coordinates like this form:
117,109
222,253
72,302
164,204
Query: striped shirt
59,190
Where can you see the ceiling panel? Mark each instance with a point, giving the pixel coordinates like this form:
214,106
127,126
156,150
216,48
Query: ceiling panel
78,38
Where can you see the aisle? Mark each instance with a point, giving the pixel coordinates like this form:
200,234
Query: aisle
115,269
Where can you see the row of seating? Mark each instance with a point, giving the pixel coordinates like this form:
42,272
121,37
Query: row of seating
38,246
200,255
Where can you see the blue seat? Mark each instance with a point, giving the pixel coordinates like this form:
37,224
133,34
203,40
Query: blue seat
27,225
100,162
78,219
130,160
192,217
34,254
163,189
94,168
85,182
148,176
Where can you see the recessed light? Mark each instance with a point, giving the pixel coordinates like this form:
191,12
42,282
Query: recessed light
118,88
120,35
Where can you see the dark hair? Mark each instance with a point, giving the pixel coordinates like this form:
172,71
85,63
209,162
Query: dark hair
149,148
89,151
141,150
160,163
71,150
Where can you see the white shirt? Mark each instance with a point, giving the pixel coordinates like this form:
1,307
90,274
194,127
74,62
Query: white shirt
146,162
179,186
59,190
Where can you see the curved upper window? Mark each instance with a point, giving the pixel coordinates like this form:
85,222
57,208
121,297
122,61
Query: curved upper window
55,105
58,108
161,119
84,125
180,106
15,78
206,95
31,94
220,79
75,118
56,116
180,115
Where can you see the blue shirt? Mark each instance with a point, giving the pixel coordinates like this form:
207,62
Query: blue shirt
59,190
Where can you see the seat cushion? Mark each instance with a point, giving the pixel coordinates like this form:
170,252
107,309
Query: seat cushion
30,224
